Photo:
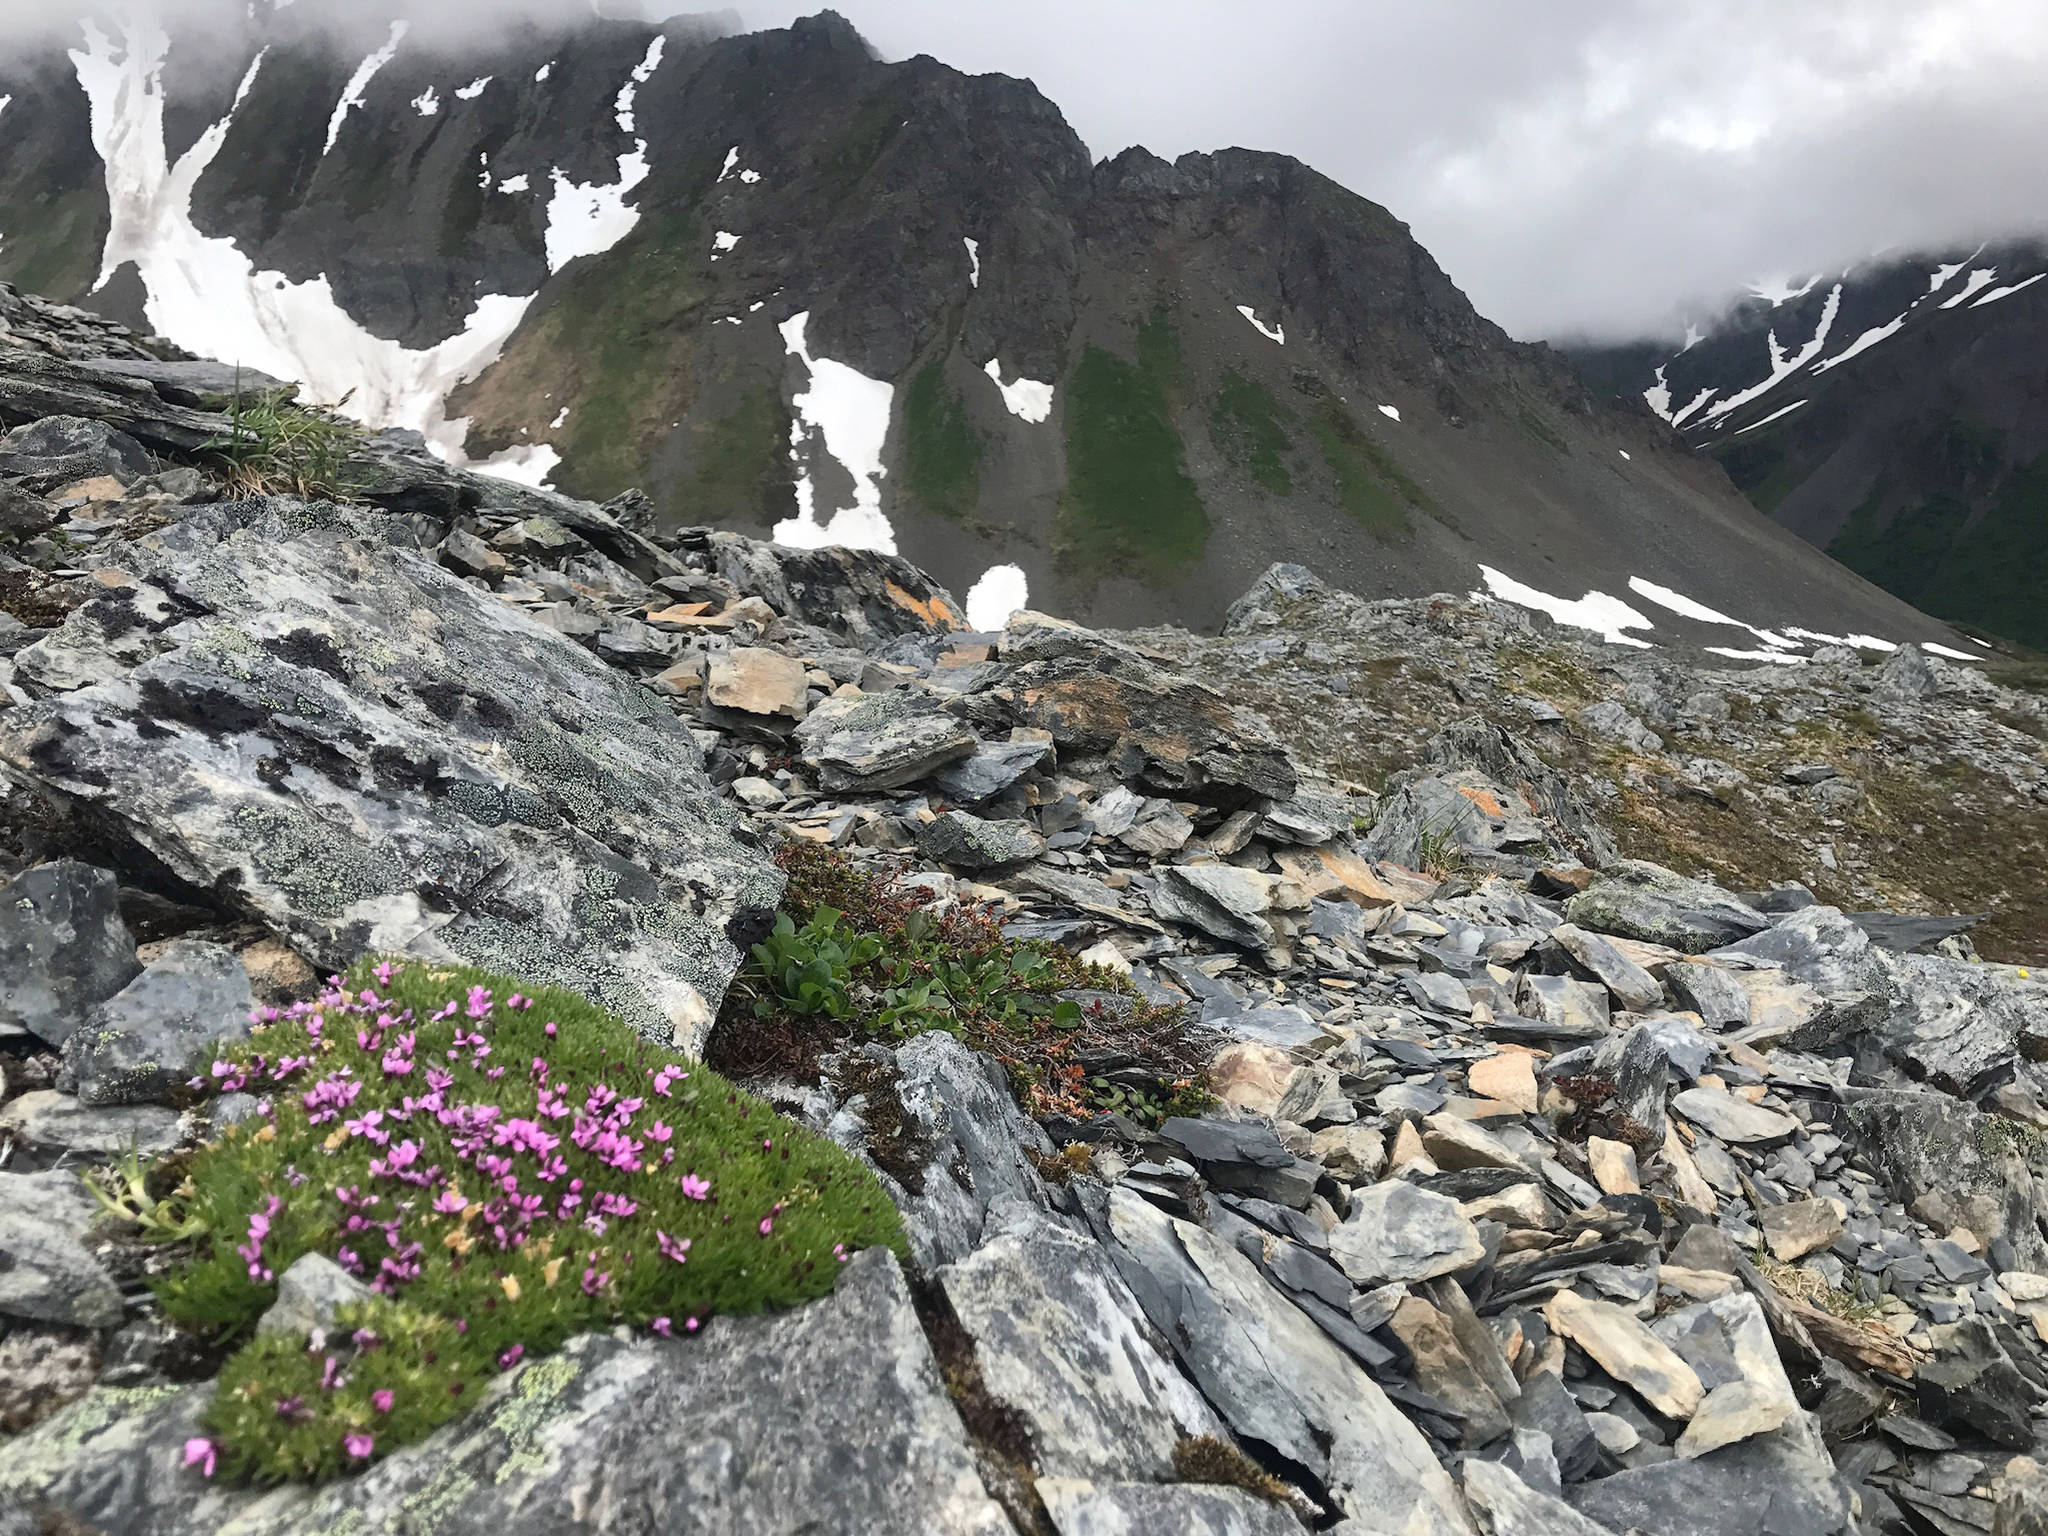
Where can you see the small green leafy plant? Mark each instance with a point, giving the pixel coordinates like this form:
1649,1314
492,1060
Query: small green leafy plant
274,446
853,955
122,1191
502,1170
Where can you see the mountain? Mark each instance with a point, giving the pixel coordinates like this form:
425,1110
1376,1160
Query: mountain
1896,415
789,288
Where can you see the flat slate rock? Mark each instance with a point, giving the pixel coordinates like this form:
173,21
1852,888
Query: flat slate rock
63,948
1080,1508
830,1418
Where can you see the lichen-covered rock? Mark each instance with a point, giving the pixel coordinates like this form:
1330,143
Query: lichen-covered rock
1929,1147
880,741
346,742
830,1418
150,1036
1648,902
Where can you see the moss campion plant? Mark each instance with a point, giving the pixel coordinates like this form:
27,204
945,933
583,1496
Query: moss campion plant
503,1170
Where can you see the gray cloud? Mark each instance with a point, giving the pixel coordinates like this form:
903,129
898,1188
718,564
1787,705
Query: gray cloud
1581,167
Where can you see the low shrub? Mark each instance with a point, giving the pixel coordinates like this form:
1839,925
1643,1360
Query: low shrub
854,955
503,1170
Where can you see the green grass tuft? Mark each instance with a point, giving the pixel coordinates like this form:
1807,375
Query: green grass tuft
506,1172
1245,424
1130,500
275,447
941,451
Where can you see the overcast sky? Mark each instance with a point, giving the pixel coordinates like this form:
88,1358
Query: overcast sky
1580,167
1575,165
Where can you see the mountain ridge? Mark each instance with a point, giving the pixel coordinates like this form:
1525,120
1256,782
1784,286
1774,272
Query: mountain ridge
789,288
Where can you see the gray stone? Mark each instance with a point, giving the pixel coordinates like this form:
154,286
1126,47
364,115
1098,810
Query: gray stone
1444,994
1225,901
63,948
1545,1406
880,741
1959,1026
1062,1343
1973,1381
1572,1005
1647,902
153,1034
1924,1144
359,750
1732,1119
829,1418
964,1125
1906,675
1513,1508
57,1121
309,1294
1610,721
1081,1508
57,450
1819,947
1244,1157
1632,986
1321,1411
1799,1227
1395,1231
1759,1399
965,841
1712,992
47,1274
1441,1368
990,770
1622,1081
1783,1482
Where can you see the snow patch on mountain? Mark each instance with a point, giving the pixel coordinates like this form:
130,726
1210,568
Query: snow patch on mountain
427,103
844,413
642,73
1027,399
1606,616
474,89
359,82
1779,290
1979,279
1002,591
1863,343
2008,290
1764,421
1391,412
974,262
1784,363
1271,333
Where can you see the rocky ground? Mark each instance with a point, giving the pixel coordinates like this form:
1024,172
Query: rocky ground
1545,1189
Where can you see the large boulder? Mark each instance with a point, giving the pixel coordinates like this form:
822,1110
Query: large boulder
351,745
1646,901
1961,1167
831,1418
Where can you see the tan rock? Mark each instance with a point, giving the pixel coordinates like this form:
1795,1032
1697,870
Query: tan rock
276,971
1627,1351
98,488
755,681
1614,1166
1692,1185
1519,1207
1407,1151
1354,1153
1799,1227
1696,1284
1251,1077
1455,1143
1509,1078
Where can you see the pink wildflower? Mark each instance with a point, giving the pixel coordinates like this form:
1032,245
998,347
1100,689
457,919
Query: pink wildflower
671,1248
202,1453
511,1357
661,1326
358,1445
696,1188
382,1399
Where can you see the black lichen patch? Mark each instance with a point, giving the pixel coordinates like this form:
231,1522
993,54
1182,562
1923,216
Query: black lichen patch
309,648
396,770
